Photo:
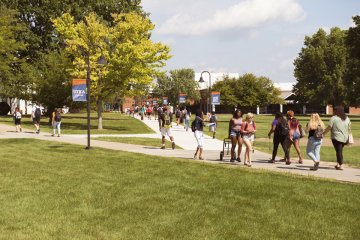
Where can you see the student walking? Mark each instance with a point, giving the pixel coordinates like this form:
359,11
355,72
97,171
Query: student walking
235,135
177,115
56,122
339,126
315,129
280,128
248,130
17,119
294,134
198,127
166,120
213,124
186,118
35,117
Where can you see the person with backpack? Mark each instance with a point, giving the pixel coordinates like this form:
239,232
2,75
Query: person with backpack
294,135
17,119
280,129
197,126
235,124
248,130
213,124
315,129
35,117
340,127
177,115
56,121
186,118
166,120
149,111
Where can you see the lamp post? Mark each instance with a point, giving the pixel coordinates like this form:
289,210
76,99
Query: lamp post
101,61
202,81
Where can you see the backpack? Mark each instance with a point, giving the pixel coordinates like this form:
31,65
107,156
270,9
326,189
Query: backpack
283,129
193,126
167,120
319,132
57,117
213,119
37,113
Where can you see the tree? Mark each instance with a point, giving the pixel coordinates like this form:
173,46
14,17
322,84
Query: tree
53,88
352,77
133,59
15,72
248,91
178,81
320,69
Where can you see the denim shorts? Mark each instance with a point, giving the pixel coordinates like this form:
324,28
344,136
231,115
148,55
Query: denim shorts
234,133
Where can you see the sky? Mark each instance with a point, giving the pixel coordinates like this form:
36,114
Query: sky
243,36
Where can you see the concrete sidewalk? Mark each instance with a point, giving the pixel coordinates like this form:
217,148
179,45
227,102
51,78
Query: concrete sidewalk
186,140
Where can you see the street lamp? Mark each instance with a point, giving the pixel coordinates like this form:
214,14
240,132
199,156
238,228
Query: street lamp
202,81
101,61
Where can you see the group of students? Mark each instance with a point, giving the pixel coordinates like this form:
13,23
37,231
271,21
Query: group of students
36,117
242,132
288,131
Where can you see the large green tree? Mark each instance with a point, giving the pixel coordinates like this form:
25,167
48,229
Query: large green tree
352,78
320,68
178,81
132,57
15,72
247,91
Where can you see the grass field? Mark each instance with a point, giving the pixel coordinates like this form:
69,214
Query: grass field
58,191
113,123
263,123
153,142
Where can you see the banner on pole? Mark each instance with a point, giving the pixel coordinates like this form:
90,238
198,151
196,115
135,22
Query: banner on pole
215,98
155,101
165,101
182,98
79,90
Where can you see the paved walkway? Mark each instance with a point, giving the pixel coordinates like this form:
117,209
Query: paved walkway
187,141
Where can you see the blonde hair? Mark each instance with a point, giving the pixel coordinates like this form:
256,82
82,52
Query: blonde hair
315,121
248,116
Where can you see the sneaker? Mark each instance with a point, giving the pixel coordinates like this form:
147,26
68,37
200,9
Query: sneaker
288,162
52,135
271,161
201,158
173,145
59,135
162,147
195,157
316,166
238,159
232,160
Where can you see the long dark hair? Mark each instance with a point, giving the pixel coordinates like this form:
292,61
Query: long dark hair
198,113
235,113
339,111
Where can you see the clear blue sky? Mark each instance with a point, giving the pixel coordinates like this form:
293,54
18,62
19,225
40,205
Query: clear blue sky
258,36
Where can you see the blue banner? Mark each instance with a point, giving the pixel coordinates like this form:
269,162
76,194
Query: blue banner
79,90
215,98
182,98
165,101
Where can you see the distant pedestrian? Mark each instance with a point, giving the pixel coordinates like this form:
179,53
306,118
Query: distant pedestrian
155,111
248,130
142,112
17,119
159,113
315,129
280,128
186,118
294,134
340,126
213,124
35,117
166,120
198,127
149,111
177,115
235,124
56,121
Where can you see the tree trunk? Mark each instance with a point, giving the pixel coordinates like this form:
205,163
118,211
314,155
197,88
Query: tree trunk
99,103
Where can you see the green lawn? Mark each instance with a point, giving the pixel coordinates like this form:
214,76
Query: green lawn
153,142
263,123
113,123
51,190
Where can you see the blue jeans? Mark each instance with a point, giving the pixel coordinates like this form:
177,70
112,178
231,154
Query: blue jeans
313,149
